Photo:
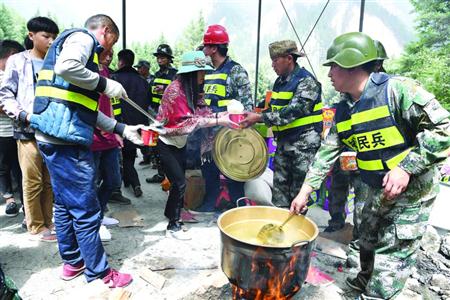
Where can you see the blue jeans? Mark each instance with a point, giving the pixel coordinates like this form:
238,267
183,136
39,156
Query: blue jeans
77,209
211,174
107,167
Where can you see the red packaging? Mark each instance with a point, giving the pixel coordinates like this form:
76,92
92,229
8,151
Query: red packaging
149,137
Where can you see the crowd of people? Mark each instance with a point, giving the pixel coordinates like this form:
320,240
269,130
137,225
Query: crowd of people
69,140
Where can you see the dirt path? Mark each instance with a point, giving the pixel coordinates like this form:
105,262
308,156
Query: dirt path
191,268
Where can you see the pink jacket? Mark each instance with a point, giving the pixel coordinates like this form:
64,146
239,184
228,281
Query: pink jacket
104,140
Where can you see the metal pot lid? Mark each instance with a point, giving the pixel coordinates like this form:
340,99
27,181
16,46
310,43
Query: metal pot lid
240,154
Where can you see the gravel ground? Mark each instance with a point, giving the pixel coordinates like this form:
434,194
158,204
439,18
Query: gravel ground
191,268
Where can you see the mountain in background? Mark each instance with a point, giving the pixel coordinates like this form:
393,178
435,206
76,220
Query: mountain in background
391,22
181,23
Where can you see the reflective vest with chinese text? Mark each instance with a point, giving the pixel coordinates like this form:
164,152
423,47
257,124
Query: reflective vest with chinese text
370,129
216,93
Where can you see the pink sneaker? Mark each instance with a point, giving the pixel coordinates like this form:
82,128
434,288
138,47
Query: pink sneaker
116,279
70,272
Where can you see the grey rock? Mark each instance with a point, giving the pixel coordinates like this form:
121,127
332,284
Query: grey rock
428,264
445,246
431,241
440,281
414,285
435,289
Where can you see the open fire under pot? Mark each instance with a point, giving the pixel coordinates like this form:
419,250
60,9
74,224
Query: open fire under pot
265,272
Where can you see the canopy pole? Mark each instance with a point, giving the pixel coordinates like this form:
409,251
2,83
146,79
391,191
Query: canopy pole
255,101
124,24
361,15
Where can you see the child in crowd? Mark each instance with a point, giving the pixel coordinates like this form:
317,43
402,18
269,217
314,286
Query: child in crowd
17,98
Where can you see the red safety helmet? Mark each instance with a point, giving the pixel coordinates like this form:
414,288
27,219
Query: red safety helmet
216,35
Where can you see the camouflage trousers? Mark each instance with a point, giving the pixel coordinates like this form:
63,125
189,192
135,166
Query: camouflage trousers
291,165
389,235
341,181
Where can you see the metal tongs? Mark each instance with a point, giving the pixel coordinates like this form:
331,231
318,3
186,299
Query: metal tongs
156,125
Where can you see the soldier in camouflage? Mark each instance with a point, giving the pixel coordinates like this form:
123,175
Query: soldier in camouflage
295,116
340,185
228,81
400,132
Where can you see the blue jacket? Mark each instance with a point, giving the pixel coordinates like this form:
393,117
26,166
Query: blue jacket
61,109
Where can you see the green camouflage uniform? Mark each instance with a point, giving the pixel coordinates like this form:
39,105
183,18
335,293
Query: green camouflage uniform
392,230
238,87
292,158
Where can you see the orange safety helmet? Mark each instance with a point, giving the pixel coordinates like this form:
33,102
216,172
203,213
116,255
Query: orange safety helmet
216,35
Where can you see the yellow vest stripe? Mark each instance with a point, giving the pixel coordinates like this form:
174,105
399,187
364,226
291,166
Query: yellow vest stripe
282,95
222,76
208,101
370,165
377,164
364,116
95,58
371,115
163,81
117,111
156,100
318,106
378,139
299,122
349,143
222,103
394,161
114,100
215,89
54,92
344,126
45,75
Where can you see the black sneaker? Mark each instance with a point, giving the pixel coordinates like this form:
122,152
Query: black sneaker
175,230
358,283
12,209
117,197
137,191
155,179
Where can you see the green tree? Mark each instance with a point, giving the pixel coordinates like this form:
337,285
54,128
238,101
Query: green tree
146,50
12,25
264,82
428,58
191,37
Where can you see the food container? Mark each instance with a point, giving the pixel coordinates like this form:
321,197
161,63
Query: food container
348,161
149,137
236,112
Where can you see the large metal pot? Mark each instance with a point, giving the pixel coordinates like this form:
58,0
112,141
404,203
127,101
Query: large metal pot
259,271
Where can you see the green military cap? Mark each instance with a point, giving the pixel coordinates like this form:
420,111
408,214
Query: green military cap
283,48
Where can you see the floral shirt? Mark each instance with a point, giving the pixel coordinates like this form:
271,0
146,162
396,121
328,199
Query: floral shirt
181,119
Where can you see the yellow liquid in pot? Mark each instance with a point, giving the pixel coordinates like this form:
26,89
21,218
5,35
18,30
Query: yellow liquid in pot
247,231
